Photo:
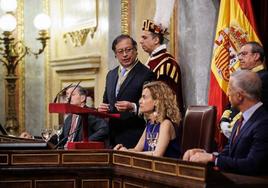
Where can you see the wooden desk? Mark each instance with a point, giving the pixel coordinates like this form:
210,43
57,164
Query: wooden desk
108,168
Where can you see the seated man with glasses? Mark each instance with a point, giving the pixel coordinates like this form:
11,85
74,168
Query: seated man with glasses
122,93
251,57
72,129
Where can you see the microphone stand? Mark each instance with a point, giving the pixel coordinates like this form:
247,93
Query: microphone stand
64,89
69,100
66,137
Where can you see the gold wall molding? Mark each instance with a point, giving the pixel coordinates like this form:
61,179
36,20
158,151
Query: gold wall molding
87,24
79,37
125,16
77,62
173,28
46,6
21,68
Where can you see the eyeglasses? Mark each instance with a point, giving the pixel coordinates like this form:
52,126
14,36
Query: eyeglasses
126,50
244,53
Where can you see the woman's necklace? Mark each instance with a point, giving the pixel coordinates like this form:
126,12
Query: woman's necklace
152,138
154,126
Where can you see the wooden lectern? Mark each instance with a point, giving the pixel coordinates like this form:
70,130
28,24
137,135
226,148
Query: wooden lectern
83,112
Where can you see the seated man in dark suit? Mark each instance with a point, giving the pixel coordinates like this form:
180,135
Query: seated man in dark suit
247,149
72,128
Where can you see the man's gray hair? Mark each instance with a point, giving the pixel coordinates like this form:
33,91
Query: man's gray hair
249,82
82,91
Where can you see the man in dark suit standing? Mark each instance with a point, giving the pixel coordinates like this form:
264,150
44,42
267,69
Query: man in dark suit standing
247,149
122,93
72,128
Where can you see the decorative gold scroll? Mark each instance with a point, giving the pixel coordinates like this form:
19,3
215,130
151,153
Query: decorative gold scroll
79,37
83,25
125,16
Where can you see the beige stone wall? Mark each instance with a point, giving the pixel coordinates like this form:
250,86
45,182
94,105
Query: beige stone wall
146,10
71,61
142,10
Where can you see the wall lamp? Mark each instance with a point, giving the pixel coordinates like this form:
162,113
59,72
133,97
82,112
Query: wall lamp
12,52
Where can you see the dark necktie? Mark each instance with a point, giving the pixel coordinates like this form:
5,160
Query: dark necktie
239,124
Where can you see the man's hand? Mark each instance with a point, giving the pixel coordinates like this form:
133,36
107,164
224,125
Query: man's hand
202,157
26,135
189,153
104,107
120,147
123,106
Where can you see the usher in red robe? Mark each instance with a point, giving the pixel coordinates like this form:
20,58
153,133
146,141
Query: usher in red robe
167,70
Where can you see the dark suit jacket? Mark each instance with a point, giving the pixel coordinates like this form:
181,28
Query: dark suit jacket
249,152
263,74
97,129
128,129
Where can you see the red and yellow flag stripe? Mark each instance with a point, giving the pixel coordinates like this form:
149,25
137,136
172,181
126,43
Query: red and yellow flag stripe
235,27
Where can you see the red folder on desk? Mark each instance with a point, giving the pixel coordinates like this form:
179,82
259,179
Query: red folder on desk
73,109
84,112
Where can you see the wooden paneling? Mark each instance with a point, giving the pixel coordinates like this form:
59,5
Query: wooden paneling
153,164
141,163
116,183
35,159
3,159
128,184
165,168
67,183
122,160
108,168
192,172
85,158
93,183
16,184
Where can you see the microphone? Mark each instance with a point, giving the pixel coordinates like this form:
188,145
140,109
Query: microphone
64,89
66,137
3,130
69,100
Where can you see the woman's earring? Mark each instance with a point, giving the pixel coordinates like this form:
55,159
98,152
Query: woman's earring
155,112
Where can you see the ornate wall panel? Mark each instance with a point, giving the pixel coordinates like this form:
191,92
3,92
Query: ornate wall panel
126,16
21,70
72,70
78,47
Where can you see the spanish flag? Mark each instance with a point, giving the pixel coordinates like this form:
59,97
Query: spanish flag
235,27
